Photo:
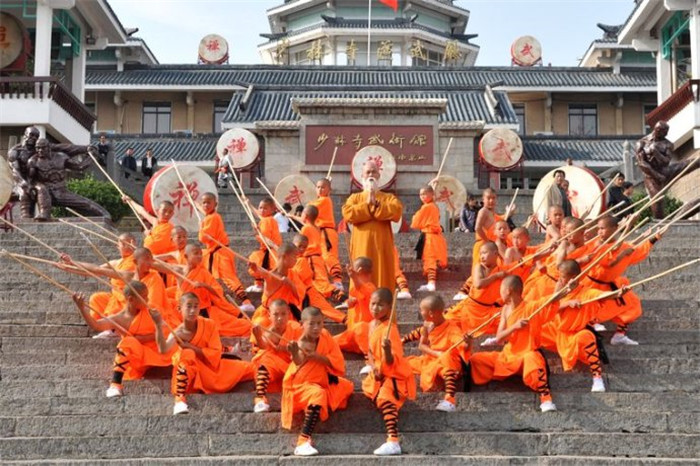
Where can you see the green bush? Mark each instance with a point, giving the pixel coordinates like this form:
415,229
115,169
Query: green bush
101,192
671,204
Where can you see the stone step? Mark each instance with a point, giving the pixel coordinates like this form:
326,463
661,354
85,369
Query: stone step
443,443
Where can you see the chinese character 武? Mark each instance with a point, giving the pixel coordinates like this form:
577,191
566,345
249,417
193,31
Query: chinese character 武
375,139
321,140
294,196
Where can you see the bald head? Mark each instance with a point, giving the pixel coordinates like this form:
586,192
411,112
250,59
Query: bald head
287,248
300,240
134,287
513,283
384,294
433,303
490,246
362,263
569,268
573,222
521,231
608,221
142,253
370,170
192,249
554,209
311,212
310,312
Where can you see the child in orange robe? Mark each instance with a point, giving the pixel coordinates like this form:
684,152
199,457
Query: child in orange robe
486,223
272,357
521,354
521,249
137,351
158,238
555,216
212,225
391,380
290,289
355,339
270,231
221,264
501,231
326,222
436,364
313,254
198,363
484,294
431,247
314,380
174,257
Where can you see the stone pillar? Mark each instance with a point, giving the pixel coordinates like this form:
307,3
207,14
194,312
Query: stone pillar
42,45
190,110
78,73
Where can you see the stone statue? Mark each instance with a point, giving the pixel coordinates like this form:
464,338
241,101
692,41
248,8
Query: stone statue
47,171
654,154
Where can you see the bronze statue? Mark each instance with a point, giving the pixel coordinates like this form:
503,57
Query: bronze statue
18,156
47,176
654,154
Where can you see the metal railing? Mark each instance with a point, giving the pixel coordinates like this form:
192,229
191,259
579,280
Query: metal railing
47,87
675,103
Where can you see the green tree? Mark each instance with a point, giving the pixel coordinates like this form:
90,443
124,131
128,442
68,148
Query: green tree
101,192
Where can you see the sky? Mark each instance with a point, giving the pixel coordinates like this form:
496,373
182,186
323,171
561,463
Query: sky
565,28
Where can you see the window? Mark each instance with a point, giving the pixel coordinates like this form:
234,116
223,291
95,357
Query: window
646,110
156,117
583,120
220,107
520,114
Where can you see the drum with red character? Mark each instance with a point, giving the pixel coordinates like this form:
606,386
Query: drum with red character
584,187
501,148
451,192
296,190
385,162
165,185
239,146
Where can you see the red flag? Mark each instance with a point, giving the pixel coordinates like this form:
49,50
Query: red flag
393,4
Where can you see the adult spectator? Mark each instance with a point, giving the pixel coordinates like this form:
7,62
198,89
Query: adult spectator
103,148
467,217
282,220
563,186
129,162
149,164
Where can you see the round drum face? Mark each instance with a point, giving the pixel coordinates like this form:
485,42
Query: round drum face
584,188
295,189
451,192
241,145
384,160
501,148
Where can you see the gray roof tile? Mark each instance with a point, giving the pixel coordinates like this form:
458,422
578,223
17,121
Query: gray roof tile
580,149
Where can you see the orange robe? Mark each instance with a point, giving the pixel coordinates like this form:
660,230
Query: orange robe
329,245
141,356
214,373
221,263
170,279
315,259
312,384
628,308
566,332
159,241
490,236
481,305
525,269
312,295
212,225
401,282
541,284
430,368
520,354
398,377
427,220
355,339
109,303
219,309
158,298
372,235
277,362
275,290
262,257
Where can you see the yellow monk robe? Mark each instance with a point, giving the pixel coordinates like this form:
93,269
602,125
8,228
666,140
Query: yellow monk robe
313,383
355,339
490,236
277,362
607,277
158,298
219,309
432,369
371,233
520,353
329,244
213,373
212,225
274,289
542,283
221,263
269,229
158,241
398,377
427,220
318,267
134,358
111,303
312,296
478,307
566,332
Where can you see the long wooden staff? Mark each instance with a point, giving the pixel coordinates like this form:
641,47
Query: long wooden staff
187,191
512,203
92,222
641,282
16,258
277,203
631,206
444,158
534,216
392,316
330,167
246,260
263,239
32,258
603,191
121,193
87,230
473,332
663,190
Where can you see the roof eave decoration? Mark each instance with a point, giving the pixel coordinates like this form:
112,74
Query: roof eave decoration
301,102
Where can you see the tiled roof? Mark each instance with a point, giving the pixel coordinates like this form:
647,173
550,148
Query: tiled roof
371,78
600,149
197,148
267,105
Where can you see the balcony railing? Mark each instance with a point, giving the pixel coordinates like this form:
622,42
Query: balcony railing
49,88
675,103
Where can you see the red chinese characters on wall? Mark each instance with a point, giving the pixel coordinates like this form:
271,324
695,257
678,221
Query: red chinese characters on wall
410,145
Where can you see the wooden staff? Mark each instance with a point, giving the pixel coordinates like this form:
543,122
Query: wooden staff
92,222
246,205
330,168
600,194
32,258
187,191
634,204
25,232
16,258
277,203
392,316
512,203
87,230
274,334
444,158
641,282
121,193
661,193
539,206
660,228
471,334
263,239
246,260
587,223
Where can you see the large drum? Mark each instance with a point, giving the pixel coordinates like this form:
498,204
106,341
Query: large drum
526,51
384,160
165,186
241,145
584,188
295,189
501,148
213,49
6,182
451,192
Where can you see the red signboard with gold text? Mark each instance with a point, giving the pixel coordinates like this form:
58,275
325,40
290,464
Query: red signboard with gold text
410,145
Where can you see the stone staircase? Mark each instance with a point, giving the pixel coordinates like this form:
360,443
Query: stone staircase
53,377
